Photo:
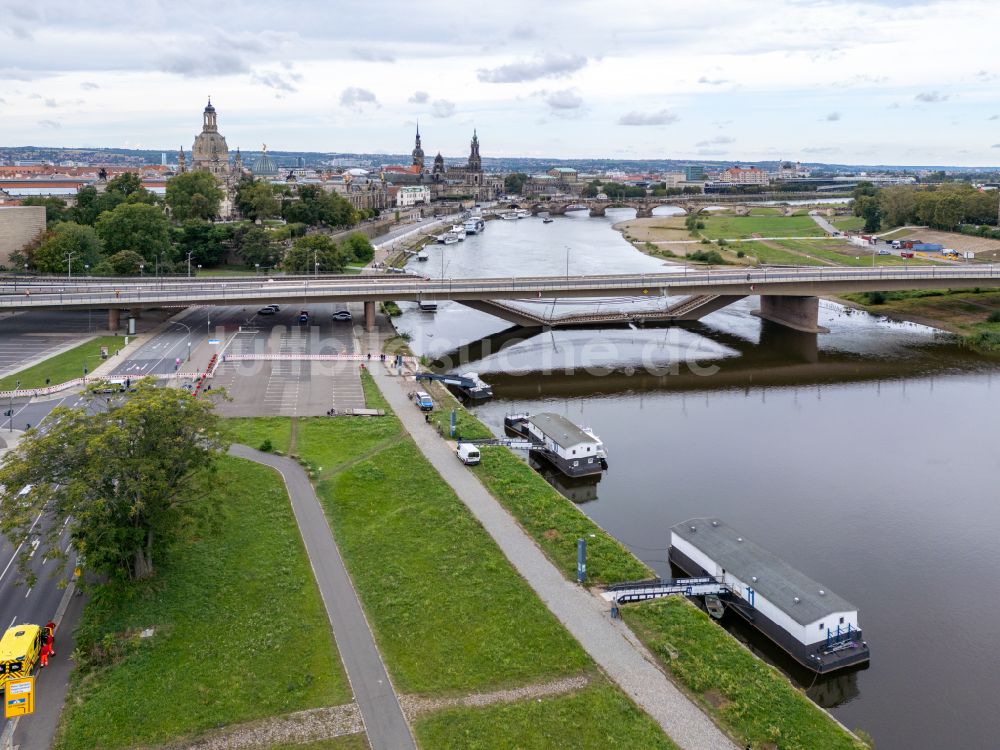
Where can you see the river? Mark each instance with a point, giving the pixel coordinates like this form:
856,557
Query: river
863,457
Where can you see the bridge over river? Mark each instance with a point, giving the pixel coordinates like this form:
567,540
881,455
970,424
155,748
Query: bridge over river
789,296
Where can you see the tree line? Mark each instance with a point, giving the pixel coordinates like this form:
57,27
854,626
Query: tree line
128,230
946,206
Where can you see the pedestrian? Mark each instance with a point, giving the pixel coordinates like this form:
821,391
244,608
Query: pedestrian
118,294
27,292
369,356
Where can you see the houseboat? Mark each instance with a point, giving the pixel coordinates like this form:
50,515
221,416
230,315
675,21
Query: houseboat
422,255
451,239
427,305
475,225
573,450
815,626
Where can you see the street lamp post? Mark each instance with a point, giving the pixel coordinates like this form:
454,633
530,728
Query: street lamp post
256,269
16,386
141,266
69,265
189,263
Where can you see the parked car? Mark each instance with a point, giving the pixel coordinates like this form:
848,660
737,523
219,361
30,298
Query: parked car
303,316
906,254
274,307
266,311
343,315
424,401
884,252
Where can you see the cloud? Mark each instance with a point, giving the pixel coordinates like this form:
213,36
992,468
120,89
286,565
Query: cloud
198,64
51,103
442,108
49,124
712,81
419,97
356,97
565,99
523,30
372,55
985,76
549,66
662,117
277,81
931,97
993,117
18,74
995,145
820,150
90,85
719,140
832,117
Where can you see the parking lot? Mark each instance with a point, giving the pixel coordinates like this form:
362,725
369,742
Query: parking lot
291,387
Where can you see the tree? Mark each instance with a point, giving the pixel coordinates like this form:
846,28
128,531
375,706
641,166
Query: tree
358,248
126,183
207,242
194,195
513,183
126,480
316,206
256,247
255,200
51,255
948,212
125,263
311,250
55,208
864,188
871,212
898,204
135,226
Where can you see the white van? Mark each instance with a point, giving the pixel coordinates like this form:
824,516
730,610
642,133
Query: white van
467,453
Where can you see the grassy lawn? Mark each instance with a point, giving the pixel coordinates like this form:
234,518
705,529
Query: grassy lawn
738,227
847,223
554,522
765,253
766,211
232,608
326,444
65,366
449,612
753,700
253,431
841,253
596,717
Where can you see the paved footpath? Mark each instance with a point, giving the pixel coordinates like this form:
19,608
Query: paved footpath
609,642
383,717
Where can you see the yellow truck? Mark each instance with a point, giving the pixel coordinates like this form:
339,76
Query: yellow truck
19,651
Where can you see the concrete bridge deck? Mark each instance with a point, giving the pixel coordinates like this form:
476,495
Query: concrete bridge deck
785,291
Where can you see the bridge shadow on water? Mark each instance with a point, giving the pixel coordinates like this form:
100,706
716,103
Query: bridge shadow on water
780,357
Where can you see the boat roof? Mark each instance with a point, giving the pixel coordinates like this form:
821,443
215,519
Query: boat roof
560,429
776,580
16,641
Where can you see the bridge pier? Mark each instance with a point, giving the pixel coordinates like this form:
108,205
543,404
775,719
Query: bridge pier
643,213
114,318
597,211
370,316
797,313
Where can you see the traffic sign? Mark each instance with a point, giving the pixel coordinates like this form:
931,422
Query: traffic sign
213,341
19,699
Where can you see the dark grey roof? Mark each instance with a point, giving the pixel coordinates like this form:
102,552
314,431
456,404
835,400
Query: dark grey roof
777,581
560,430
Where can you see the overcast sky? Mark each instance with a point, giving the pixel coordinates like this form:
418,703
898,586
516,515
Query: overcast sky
901,82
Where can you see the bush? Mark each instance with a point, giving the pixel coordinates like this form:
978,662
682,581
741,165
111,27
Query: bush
875,298
707,256
722,242
266,446
994,317
740,254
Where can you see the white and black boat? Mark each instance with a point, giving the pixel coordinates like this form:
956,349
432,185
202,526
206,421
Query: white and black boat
475,225
573,450
422,255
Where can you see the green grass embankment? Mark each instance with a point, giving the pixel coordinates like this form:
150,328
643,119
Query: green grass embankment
554,522
256,431
595,717
738,227
240,630
750,698
64,367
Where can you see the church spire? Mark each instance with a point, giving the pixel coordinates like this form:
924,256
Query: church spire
475,162
418,151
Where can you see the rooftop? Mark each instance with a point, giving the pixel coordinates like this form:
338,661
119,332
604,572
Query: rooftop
560,429
776,580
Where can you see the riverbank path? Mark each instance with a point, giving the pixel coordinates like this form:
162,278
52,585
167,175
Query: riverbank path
384,722
609,642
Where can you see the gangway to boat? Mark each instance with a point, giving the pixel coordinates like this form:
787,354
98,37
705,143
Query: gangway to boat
639,591
518,443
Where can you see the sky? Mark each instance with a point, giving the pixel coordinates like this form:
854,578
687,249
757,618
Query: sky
892,82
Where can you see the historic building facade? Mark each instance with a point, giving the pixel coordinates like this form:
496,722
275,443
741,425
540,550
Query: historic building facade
210,152
466,181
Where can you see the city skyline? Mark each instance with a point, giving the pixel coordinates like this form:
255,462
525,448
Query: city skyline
838,82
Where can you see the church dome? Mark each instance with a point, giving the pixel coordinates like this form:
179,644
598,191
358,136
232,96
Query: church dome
264,166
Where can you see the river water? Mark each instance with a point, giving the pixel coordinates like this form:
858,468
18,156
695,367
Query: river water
865,457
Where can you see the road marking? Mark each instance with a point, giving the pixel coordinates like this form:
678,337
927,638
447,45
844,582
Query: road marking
34,548
27,593
12,622
14,556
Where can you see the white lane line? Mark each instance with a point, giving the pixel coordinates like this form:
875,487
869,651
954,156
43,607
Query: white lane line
14,556
34,548
27,593
12,619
